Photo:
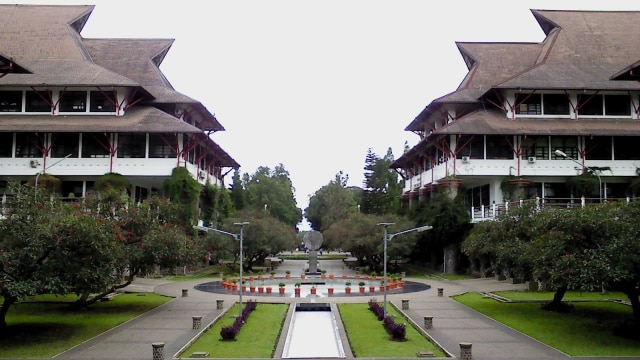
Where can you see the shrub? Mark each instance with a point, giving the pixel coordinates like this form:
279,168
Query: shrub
397,331
376,309
230,332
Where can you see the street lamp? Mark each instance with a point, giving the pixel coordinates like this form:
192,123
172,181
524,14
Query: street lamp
239,237
387,237
564,155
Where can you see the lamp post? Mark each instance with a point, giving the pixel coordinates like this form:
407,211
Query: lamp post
45,169
386,238
239,237
564,155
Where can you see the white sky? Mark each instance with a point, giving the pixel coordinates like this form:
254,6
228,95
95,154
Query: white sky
314,84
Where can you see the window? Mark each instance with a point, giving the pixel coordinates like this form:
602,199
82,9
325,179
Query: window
536,146
610,105
63,144
617,105
101,103
6,145
599,148
566,144
162,146
10,101
590,105
556,104
27,146
529,104
95,146
73,101
626,148
498,147
471,146
38,101
132,145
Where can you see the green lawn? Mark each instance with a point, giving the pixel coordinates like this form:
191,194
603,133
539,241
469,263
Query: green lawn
368,338
258,337
585,331
42,330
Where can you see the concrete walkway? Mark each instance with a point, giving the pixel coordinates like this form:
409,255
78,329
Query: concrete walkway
453,323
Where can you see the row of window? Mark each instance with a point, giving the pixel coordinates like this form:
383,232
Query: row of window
68,101
87,145
497,147
559,104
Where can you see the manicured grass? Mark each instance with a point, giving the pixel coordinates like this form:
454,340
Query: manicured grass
569,296
258,337
585,331
42,330
368,338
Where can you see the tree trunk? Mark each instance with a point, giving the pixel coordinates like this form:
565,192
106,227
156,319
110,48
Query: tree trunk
450,259
8,301
556,304
632,293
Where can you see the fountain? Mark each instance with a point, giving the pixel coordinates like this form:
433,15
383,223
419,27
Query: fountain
313,333
313,240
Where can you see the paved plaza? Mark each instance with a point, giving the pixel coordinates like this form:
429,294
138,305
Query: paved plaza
453,323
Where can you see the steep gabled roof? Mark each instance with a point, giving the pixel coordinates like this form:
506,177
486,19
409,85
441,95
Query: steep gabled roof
46,41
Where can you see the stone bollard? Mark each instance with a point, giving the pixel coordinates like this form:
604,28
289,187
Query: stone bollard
185,292
465,351
440,291
158,350
405,304
197,321
219,304
428,322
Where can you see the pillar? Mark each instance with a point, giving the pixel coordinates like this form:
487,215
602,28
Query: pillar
465,351
405,304
197,321
219,304
428,322
158,350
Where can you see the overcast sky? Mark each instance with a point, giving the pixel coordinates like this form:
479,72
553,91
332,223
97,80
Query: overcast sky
314,84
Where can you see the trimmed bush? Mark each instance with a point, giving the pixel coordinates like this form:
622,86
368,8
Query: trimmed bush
230,332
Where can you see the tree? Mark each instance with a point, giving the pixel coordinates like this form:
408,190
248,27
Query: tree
272,191
262,237
331,203
27,240
450,221
382,190
238,193
362,237
216,204
183,189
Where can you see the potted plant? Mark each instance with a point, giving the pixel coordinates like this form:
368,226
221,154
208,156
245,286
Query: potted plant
361,287
313,289
331,276
323,274
382,285
347,288
268,289
303,276
234,284
372,288
297,289
272,275
288,274
330,290
281,288
374,276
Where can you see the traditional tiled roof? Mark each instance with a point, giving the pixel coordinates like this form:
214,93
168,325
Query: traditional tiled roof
138,119
494,122
582,50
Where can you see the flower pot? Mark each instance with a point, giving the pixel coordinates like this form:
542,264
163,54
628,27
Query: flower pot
347,290
303,276
357,276
271,277
361,289
344,276
313,291
244,288
288,276
281,291
330,290
260,290
381,287
252,289
331,276
297,291
372,289
323,276
268,290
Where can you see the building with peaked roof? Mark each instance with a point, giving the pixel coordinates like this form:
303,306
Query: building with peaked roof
529,117
79,108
